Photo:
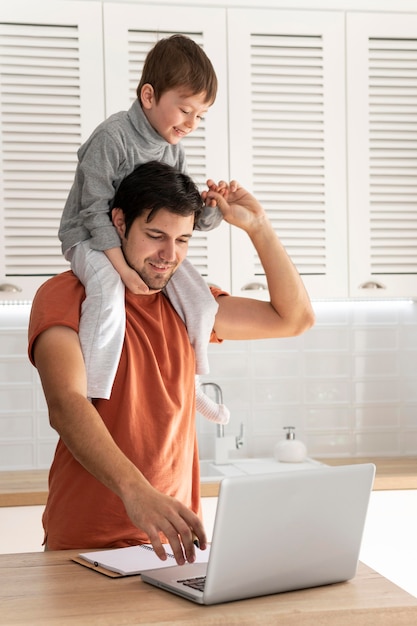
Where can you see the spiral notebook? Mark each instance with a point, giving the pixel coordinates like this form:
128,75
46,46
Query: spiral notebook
130,561
278,532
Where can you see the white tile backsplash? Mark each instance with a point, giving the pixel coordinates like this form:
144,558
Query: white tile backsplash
408,442
26,439
330,364
371,365
328,391
378,339
15,398
408,416
377,390
348,386
320,338
324,419
378,443
377,417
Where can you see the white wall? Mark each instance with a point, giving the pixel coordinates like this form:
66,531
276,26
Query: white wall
347,385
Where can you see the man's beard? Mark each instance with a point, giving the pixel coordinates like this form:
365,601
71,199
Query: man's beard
155,283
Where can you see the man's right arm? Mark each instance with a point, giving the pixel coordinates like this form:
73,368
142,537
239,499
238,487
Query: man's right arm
59,360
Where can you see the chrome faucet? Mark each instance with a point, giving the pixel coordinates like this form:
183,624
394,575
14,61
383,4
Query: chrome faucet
223,444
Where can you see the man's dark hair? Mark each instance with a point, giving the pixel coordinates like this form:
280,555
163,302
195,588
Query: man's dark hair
153,186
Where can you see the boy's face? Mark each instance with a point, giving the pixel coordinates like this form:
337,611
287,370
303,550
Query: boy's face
176,114
155,249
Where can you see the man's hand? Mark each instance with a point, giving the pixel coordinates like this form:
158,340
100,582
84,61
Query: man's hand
221,188
155,513
59,360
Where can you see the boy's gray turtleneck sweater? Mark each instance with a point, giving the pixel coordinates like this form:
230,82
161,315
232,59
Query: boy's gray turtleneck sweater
115,148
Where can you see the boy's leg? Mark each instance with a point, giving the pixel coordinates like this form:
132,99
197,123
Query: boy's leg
103,319
192,299
218,413
194,303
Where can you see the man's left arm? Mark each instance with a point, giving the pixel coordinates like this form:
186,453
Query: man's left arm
289,311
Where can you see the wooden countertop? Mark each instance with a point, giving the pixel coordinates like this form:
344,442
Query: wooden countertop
48,588
23,488
30,487
391,473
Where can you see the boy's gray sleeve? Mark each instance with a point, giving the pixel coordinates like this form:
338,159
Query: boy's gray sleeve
211,217
97,171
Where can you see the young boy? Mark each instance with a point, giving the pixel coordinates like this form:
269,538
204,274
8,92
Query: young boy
177,87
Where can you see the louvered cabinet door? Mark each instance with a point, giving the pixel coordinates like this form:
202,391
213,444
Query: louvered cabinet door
130,31
382,149
287,141
51,97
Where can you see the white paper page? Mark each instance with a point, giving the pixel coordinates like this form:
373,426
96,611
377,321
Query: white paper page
136,559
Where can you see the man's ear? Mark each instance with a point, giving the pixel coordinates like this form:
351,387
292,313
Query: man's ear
118,219
147,96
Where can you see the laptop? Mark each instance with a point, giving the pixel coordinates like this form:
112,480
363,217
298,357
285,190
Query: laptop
278,532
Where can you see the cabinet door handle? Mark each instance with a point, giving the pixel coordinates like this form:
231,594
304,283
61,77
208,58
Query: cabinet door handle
10,288
254,287
371,284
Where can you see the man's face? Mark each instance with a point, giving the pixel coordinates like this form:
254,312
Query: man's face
155,249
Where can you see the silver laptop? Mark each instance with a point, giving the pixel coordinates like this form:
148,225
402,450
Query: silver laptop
278,532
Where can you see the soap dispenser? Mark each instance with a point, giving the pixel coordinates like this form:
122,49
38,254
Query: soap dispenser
290,449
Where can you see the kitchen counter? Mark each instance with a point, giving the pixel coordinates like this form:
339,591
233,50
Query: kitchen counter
30,487
23,488
391,472
48,588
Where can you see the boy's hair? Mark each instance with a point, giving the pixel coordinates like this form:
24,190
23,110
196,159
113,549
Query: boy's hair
177,61
153,186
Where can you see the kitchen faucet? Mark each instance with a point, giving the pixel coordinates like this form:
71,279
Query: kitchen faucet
223,443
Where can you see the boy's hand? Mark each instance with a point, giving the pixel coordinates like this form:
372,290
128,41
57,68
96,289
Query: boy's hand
133,282
130,278
239,207
221,188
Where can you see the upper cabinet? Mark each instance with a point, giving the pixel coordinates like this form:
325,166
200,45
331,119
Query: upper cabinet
382,154
51,98
315,114
288,140
130,31
324,127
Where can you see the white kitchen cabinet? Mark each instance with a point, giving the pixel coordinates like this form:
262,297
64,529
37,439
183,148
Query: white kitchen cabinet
287,139
280,81
315,114
58,81
339,182
130,31
51,98
382,150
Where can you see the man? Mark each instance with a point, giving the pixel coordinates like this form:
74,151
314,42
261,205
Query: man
126,469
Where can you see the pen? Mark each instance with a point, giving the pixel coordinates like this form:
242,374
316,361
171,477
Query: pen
196,541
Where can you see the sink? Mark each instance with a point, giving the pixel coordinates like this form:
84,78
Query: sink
210,472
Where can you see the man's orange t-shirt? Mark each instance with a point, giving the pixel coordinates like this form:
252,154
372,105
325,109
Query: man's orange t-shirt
150,414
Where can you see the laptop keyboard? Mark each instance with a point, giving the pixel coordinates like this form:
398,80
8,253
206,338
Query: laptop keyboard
194,583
